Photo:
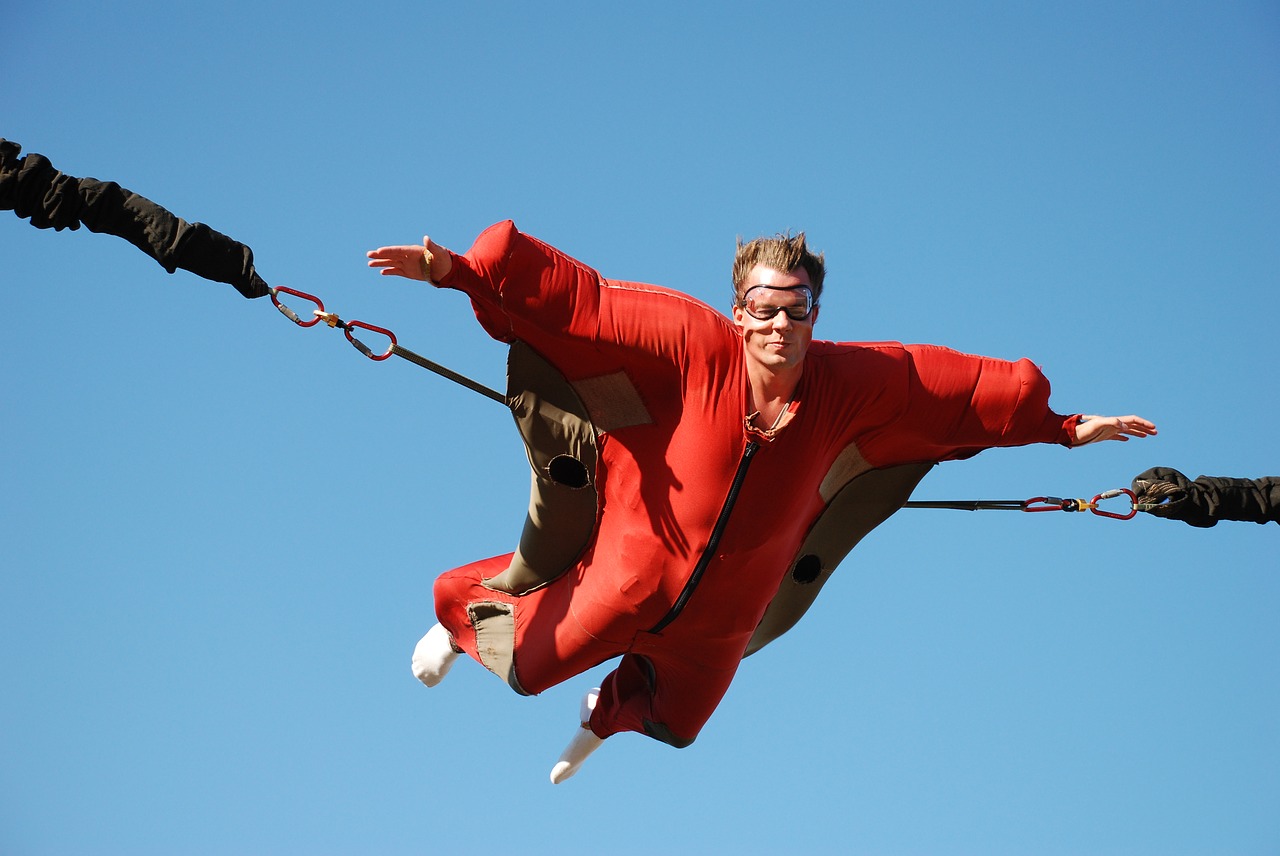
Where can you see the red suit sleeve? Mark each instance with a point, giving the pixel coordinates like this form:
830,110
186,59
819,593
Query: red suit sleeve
515,280
952,405
969,403
522,288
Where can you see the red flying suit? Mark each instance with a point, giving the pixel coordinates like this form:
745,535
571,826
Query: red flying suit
699,514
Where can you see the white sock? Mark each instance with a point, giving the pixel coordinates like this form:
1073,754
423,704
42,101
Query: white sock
433,656
584,741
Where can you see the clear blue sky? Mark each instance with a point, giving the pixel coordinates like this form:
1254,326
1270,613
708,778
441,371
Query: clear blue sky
219,531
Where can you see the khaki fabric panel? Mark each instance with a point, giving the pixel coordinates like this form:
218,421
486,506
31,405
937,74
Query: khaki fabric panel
560,442
848,465
860,506
495,626
613,402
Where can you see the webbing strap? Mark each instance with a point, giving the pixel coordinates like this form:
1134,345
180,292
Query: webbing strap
450,374
969,504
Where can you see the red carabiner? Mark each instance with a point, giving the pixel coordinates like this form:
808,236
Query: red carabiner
364,349
1044,503
1111,494
289,313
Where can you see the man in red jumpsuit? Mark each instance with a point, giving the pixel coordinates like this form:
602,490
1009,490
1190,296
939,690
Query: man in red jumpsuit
719,443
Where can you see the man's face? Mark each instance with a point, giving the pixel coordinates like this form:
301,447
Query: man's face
781,341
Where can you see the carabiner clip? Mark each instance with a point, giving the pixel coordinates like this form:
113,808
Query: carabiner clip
1111,494
1048,503
290,314
364,349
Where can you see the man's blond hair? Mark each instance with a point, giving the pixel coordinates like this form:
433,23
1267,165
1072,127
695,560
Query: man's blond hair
782,252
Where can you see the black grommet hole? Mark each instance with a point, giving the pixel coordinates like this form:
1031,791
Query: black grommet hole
807,569
568,471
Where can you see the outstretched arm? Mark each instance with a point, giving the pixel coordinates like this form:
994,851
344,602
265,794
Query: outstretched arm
1094,429
428,262
514,281
959,404
32,188
523,288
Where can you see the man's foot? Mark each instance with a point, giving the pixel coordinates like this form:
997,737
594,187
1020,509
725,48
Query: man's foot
584,741
433,656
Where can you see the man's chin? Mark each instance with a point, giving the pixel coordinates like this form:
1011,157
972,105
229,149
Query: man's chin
775,358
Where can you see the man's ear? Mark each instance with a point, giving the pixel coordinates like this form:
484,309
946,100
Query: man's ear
814,316
736,315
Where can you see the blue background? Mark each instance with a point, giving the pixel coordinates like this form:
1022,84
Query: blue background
219,530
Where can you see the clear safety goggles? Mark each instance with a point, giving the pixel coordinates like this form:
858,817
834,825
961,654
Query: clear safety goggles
764,301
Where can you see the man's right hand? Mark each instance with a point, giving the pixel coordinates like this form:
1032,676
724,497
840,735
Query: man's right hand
427,262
